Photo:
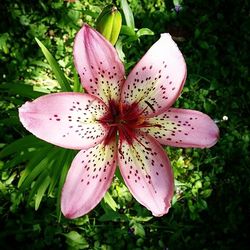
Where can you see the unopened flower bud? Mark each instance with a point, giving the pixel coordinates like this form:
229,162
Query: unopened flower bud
109,23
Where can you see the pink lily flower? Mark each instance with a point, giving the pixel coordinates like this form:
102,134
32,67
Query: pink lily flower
137,108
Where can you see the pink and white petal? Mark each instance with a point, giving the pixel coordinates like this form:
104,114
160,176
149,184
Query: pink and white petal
158,78
183,128
100,69
147,173
68,120
88,179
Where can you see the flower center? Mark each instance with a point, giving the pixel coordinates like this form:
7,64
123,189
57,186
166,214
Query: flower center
124,119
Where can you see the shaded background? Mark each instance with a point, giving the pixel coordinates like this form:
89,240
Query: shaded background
211,206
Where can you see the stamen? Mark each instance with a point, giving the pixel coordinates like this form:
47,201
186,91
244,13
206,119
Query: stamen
150,105
149,149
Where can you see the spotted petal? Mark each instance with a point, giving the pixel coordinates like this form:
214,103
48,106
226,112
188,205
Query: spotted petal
183,128
147,173
98,64
69,120
157,80
88,179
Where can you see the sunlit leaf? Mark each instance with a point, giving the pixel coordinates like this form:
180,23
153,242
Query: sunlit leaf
126,30
128,14
110,201
76,240
25,90
55,67
144,32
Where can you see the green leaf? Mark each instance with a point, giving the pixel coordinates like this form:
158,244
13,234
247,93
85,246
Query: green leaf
68,160
21,89
144,32
112,216
33,170
56,168
128,14
126,30
55,67
76,241
110,201
41,190
21,144
19,158
77,85
139,230
119,50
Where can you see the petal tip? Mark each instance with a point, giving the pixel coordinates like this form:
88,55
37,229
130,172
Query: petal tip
160,213
166,35
22,113
215,136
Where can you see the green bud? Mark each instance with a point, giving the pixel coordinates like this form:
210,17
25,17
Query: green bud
109,23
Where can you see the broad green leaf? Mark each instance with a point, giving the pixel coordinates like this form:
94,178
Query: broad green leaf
144,32
110,201
55,67
128,14
126,30
138,229
76,240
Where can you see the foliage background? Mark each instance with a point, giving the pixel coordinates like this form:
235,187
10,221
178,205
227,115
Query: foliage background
211,206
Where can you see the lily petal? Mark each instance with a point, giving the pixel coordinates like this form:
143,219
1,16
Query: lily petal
158,78
147,173
183,128
88,179
68,120
98,64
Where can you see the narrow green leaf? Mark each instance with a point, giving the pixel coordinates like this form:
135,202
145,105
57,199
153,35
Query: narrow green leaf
23,143
41,191
55,67
77,85
68,160
128,14
56,168
42,165
23,156
38,156
21,89
110,201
